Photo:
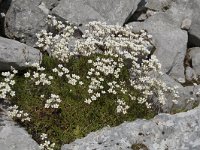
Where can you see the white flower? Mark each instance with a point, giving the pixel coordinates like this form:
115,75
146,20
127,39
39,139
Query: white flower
55,70
90,91
60,74
89,73
53,101
35,74
50,77
88,101
97,73
46,106
26,75
43,136
37,82
80,82
103,92
93,98
12,82
12,93
89,61
98,94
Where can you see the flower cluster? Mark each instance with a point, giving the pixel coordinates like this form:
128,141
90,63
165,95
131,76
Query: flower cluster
101,70
122,106
56,44
122,43
37,76
7,83
53,101
46,145
19,114
117,45
73,79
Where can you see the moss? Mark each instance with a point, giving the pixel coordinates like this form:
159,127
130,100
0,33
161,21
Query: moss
74,118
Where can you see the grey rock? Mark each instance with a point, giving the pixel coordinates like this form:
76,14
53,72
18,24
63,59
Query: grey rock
158,5
148,8
194,29
187,96
190,74
169,103
4,5
50,4
195,57
14,137
186,24
16,54
165,131
181,10
23,20
150,13
170,42
82,12
44,8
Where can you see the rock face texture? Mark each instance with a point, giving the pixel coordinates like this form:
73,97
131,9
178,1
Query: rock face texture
16,54
110,11
23,20
194,55
158,5
13,137
180,131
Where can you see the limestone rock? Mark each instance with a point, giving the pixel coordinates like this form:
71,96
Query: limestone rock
13,137
187,96
16,54
195,57
190,74
169,40
81,12
188,9
179,131
194,31
180,12
186,24
50,4
23,20
44,8
158,5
